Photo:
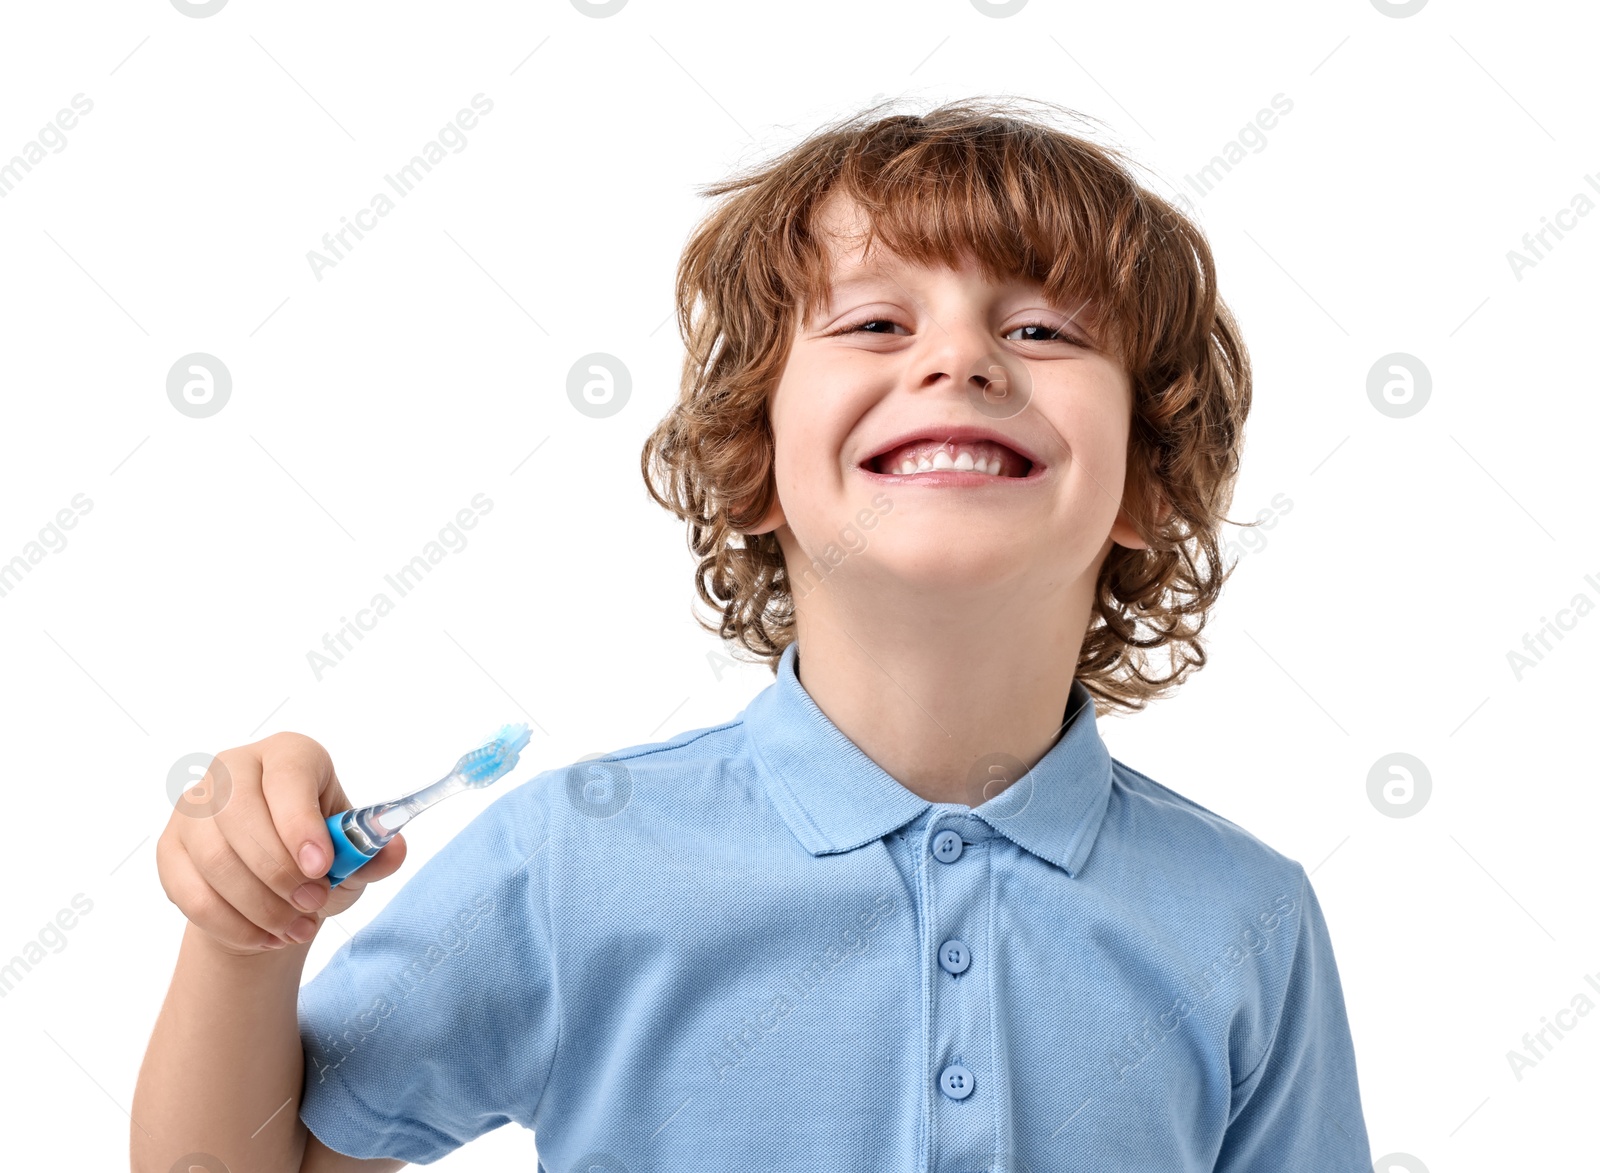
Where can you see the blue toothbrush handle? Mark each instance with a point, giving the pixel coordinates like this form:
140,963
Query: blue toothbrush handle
347,857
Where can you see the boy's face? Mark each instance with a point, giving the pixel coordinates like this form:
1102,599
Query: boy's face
844,396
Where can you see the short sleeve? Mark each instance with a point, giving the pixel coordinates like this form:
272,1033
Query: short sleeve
1300,1107
436,1022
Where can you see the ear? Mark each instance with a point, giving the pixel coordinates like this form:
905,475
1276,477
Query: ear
1123,532
773,519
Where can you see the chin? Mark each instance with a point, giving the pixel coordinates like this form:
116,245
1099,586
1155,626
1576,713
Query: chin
941,565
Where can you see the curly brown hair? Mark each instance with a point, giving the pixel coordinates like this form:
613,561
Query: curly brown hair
975,179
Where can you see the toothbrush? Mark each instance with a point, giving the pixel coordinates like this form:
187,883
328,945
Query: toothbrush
360,834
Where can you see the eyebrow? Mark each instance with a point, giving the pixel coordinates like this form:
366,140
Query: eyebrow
836,288
860,275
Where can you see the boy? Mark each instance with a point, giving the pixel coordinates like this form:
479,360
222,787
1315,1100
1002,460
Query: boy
961,412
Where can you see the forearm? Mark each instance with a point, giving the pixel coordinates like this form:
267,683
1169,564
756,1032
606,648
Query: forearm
222,1074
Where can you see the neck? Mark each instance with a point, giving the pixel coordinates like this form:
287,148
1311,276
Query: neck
935,691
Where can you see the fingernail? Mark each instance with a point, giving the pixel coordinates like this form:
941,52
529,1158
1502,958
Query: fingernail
308,897
310,859
275,943
301,930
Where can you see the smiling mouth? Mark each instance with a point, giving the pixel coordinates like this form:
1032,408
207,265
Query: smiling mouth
981,458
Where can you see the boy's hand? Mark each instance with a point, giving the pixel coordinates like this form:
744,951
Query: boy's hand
247,867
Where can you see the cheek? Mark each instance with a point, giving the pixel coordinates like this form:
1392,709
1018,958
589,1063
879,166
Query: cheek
1096,422
810,420
796,452
1095,438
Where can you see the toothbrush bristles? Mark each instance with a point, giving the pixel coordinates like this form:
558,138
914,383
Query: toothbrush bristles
496,756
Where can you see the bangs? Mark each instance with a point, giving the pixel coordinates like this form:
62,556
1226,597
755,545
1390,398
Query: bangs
1012,210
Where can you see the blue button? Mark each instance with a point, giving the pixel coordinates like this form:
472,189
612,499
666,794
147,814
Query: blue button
947,847
954,956
955,1081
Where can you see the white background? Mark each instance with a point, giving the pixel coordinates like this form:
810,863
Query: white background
424,368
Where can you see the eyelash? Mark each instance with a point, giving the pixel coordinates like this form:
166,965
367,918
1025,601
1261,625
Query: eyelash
1059,336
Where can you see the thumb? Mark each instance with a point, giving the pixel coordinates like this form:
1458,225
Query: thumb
382,866
301,789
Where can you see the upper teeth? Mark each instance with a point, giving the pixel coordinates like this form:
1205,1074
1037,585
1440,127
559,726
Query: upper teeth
963,459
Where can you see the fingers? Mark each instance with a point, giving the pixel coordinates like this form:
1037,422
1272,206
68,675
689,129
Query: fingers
298,773
251,875
233,872
385,864
382,865
205,907
247,825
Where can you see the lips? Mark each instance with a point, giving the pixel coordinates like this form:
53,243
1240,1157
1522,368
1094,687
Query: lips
989,451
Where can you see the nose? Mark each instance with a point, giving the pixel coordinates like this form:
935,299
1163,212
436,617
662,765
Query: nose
967,358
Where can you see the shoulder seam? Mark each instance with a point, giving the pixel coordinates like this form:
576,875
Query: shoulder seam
629,752
1283,1002
1184,798
1222,818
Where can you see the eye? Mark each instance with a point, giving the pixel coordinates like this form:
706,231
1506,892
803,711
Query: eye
862,326
1055,335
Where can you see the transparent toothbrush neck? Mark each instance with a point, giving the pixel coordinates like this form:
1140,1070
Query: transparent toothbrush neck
380,823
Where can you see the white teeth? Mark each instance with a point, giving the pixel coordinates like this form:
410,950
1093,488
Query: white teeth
963,461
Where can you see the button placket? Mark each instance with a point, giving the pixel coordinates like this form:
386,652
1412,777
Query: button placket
960,1037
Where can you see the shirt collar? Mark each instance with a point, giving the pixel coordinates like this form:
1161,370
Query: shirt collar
835,798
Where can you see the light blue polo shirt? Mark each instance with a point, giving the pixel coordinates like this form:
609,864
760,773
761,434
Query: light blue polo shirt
750,948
